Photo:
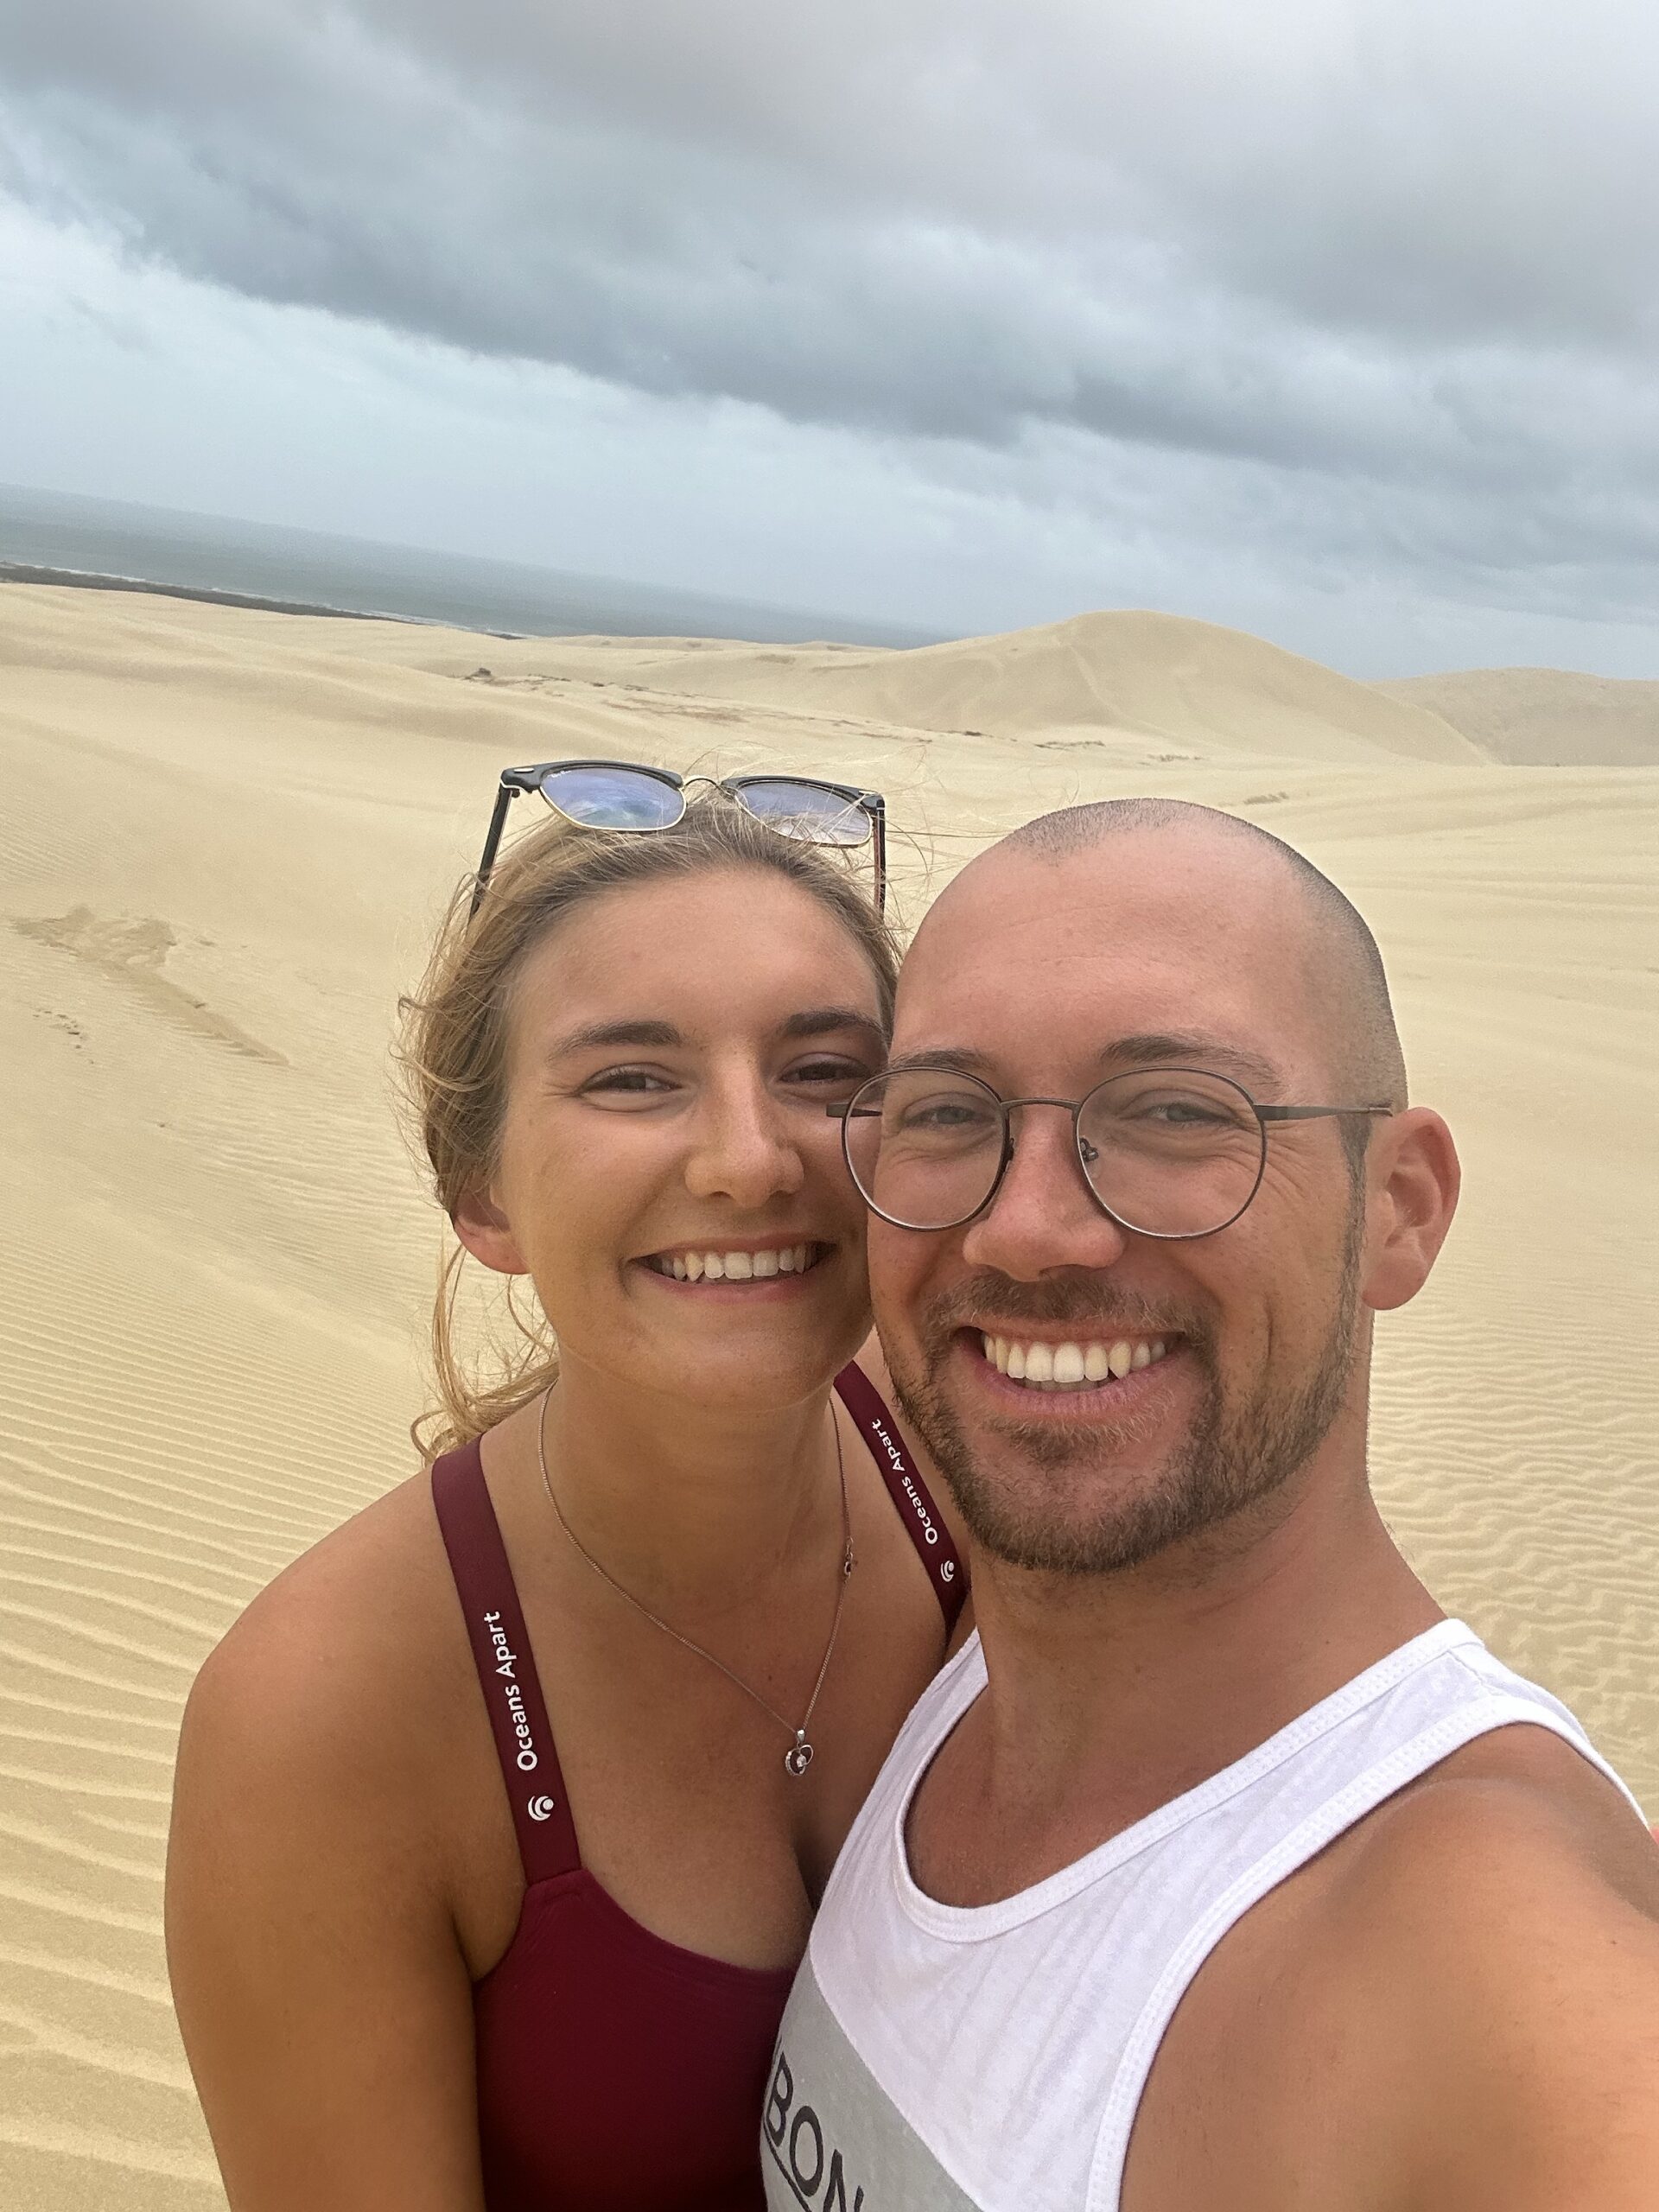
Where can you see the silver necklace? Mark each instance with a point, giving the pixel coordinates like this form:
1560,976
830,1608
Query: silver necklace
798,1757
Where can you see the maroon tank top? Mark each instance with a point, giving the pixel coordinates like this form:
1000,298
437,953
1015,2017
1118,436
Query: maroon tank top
616,2071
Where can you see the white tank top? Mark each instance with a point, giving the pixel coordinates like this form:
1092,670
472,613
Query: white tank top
938,2059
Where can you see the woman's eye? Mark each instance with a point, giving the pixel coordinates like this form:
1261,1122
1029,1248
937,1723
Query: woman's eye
634,1080
846,1072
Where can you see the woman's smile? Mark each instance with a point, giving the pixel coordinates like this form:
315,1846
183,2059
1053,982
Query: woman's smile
770,1260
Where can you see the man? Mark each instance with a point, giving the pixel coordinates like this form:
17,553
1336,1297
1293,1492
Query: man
1224,1875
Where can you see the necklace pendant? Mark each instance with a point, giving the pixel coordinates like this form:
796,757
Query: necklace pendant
798,1757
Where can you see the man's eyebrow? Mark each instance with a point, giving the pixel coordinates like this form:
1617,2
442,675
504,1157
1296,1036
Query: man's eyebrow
1152,1050
1190,1049
959,1059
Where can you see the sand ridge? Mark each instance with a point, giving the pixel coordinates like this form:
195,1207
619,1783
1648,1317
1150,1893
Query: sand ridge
228,836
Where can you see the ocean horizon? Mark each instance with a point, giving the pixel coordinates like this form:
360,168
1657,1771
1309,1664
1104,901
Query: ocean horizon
67,538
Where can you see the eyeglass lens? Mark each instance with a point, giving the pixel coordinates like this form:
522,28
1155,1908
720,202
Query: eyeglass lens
613,799
1168,1152
805,811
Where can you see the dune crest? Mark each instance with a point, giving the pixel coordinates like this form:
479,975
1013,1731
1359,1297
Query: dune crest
1146,675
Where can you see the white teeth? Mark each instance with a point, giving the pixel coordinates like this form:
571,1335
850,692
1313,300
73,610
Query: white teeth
736,1266
1070,1366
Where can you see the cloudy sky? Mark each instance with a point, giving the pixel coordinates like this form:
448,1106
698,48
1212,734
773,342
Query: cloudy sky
1335,320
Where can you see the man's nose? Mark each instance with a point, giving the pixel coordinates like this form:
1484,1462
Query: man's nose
1044,1215
744,1149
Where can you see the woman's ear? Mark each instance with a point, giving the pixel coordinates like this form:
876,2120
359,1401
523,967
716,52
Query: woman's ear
1412,1180
485,1230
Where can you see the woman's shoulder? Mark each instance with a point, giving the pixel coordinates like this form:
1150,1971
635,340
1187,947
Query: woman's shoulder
342,1664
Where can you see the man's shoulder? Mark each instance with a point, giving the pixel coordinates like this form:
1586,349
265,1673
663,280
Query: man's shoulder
1517,1816
1490,1937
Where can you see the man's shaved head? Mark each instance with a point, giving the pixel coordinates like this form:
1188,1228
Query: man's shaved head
1366,1059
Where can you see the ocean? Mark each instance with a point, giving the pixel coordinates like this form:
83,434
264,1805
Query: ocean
59,537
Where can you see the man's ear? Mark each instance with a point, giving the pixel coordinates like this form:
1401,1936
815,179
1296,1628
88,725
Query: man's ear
485,1230
1412,1179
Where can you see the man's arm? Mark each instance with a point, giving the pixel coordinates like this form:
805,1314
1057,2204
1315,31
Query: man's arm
1514,1920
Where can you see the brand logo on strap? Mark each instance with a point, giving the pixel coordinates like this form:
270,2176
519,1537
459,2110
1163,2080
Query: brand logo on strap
506,1662
539,1807
947,1570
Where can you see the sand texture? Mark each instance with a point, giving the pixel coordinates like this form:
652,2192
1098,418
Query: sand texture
224,839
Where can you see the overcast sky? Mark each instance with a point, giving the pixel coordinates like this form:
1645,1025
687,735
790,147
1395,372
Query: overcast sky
1335,320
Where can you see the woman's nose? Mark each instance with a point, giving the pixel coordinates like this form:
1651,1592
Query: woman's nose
745,1149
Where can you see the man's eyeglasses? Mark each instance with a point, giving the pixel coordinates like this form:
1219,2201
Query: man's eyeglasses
1166,1152
628,796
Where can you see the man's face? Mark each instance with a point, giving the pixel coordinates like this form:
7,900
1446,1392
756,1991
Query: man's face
1047,977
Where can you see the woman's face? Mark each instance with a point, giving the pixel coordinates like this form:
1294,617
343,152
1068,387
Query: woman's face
668,1178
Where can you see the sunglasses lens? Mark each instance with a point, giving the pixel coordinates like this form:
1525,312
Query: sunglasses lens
613,799
806,811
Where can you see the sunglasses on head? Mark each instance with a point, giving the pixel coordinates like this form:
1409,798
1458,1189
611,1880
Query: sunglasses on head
627,795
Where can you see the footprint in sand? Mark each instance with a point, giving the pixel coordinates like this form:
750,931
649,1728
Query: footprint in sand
133,952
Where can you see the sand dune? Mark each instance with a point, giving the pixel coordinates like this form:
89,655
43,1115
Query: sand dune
1155,676
225,840
1547,717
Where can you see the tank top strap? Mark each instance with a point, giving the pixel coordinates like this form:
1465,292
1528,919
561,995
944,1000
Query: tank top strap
907,1490
507,1671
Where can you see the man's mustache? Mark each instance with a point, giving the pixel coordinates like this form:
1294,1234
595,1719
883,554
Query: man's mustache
1100,1310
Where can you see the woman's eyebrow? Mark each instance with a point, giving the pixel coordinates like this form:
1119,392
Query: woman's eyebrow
827,1020
643,1035
595,1035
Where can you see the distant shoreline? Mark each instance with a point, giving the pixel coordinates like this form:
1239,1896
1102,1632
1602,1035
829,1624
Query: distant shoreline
25,572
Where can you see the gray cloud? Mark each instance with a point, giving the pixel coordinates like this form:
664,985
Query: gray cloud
1389,270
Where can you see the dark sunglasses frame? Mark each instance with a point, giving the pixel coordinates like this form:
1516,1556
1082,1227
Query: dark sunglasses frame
515,782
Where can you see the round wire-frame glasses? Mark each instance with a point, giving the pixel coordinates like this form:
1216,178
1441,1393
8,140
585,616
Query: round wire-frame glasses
631,797
1170,1152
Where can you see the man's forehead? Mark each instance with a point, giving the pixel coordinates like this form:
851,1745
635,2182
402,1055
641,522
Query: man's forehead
1189,905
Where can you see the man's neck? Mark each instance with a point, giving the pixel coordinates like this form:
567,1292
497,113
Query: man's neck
688,1506
1111,1695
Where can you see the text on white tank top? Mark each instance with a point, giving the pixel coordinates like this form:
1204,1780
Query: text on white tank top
1016,2039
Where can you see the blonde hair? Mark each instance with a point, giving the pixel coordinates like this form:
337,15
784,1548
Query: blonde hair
452,1049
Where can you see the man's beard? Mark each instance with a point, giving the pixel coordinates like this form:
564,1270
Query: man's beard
1236,1453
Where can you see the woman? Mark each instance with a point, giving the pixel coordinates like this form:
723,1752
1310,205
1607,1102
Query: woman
439,1950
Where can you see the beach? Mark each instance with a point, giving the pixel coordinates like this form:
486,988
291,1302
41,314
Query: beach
228,834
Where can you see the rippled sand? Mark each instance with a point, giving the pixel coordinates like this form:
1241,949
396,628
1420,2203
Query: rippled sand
224,839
